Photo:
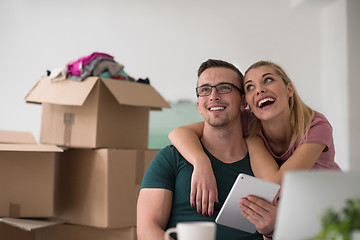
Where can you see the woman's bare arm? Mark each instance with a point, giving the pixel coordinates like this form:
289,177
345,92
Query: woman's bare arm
186,139
264,165
204,193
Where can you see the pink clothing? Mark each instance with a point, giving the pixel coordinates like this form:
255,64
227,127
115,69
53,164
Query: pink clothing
320,132
76,68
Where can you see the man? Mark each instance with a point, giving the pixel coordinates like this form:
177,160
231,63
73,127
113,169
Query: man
164,198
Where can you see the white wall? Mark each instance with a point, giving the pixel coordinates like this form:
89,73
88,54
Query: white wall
340,77
353,21
334,78
160,39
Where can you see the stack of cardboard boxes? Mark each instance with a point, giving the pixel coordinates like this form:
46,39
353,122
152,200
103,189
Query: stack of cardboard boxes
102,126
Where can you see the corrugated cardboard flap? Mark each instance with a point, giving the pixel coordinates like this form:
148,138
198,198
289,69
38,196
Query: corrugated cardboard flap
16,137
32,224
29,148
135,94
65,92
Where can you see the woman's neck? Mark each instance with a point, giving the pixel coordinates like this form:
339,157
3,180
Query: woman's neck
278,134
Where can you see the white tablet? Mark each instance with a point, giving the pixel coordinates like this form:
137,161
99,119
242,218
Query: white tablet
230,213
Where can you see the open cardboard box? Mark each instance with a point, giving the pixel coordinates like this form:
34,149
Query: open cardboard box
55,229
27,176
95,113
100,187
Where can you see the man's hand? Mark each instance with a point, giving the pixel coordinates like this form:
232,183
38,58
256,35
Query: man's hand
260,212
203,190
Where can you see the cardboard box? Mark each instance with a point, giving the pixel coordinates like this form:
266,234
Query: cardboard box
14,233
27,173
95,113
76,232
53,229
100,187
17,137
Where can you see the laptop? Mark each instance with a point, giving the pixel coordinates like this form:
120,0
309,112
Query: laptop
306,195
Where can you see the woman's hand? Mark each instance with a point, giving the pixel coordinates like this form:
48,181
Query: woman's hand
204,192
260,212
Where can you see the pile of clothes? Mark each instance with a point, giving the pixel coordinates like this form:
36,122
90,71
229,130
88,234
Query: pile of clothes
96,64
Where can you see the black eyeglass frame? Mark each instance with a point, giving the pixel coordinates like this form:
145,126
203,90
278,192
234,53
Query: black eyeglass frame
215,86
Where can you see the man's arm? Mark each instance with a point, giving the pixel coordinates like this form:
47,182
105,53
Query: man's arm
153,212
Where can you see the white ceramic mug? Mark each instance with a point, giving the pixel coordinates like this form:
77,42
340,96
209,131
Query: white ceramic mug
193,231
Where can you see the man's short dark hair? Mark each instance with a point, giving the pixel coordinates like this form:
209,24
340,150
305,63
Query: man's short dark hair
211,63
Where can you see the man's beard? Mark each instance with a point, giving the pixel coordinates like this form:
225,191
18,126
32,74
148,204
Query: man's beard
216,122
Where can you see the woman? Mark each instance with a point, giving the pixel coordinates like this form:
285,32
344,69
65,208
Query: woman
285,134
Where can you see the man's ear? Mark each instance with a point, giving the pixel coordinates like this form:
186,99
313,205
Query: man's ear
197,103
290,90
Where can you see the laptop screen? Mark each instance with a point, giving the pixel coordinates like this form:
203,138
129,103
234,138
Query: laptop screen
306,195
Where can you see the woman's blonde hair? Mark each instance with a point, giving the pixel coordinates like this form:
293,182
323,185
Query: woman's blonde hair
301,115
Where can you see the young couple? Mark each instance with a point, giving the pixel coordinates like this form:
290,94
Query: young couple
282,134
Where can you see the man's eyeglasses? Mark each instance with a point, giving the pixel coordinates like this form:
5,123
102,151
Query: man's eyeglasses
221,88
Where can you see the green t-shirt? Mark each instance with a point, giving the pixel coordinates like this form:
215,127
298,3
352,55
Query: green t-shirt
169,170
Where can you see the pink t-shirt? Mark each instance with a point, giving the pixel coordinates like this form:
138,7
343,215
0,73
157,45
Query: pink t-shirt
320,132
